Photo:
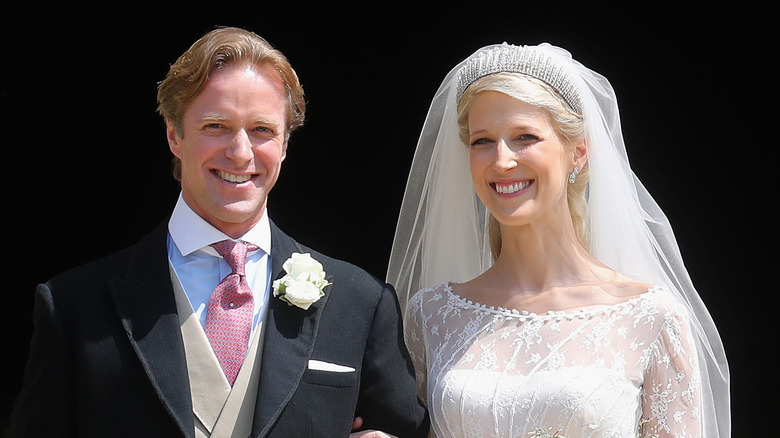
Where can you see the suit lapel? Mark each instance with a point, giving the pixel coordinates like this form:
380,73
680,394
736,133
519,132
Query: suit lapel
289,339
145,301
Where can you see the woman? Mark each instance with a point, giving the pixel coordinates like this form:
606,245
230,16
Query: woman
552,294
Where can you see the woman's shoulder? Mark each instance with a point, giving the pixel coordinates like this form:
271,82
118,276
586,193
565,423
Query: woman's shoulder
432,291
434,294
666,301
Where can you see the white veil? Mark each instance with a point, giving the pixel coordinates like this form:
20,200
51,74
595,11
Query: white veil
442,228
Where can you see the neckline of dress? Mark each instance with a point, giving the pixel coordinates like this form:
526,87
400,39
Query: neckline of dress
575,313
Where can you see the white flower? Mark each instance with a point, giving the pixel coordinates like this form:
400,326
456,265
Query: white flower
303,283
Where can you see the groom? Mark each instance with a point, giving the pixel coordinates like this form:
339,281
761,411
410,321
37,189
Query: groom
132,344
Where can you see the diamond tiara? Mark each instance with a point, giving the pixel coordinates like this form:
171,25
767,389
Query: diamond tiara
519,59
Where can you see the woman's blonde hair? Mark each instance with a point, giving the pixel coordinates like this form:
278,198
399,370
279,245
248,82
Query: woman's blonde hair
566,122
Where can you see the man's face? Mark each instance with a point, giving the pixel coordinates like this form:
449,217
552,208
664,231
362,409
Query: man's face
232,146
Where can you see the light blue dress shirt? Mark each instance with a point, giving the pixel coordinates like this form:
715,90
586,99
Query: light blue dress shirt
200,268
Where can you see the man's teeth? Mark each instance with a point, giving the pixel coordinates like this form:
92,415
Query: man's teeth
233,178
511,188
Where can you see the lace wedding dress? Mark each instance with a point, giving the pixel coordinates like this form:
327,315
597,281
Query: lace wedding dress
592,372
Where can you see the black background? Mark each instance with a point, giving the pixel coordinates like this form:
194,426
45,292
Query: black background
87,156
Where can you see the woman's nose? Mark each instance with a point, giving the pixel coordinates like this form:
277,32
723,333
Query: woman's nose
505,157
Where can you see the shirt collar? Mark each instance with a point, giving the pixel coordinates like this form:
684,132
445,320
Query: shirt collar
191,232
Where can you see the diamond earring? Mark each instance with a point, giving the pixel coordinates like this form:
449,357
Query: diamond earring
573,175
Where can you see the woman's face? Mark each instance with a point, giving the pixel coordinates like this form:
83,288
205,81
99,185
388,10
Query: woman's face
519,163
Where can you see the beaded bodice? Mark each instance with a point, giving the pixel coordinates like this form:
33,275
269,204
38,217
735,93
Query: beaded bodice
595,372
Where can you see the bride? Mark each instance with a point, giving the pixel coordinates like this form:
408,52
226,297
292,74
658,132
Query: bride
545,294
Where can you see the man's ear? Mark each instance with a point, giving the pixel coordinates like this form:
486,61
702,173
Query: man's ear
173,139
284,149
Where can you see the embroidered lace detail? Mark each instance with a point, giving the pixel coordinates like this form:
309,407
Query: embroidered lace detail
579,313
594,372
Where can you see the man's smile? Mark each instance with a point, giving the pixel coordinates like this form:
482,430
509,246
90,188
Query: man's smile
232,177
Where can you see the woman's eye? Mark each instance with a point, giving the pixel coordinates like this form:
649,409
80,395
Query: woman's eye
527,137
481,141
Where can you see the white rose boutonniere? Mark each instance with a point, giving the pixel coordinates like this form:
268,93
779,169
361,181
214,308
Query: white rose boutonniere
303,283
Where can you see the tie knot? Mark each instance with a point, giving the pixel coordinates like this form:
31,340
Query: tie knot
234,252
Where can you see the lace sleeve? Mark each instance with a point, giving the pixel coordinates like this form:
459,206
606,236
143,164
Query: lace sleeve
414,332
671,397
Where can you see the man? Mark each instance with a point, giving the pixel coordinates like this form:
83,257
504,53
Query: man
134,344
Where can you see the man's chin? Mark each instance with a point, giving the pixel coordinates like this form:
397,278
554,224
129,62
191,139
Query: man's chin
236,217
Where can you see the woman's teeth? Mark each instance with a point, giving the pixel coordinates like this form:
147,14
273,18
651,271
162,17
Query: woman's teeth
232,177
511,188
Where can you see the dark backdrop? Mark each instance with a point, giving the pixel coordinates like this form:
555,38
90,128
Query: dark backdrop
88,157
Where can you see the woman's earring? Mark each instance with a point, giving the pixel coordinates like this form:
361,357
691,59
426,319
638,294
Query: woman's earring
573,175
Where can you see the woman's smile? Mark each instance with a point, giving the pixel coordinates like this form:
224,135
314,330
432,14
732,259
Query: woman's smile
511,188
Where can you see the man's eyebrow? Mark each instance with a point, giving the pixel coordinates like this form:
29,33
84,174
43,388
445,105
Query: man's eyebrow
260,121
213,116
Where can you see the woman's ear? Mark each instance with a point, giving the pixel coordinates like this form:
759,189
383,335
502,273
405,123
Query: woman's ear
580,154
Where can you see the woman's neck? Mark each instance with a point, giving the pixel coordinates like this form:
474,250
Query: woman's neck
539,259
546,269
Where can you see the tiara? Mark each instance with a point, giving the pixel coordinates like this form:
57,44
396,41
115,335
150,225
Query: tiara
527,60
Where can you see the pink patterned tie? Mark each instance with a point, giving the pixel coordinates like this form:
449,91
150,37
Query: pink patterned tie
229,315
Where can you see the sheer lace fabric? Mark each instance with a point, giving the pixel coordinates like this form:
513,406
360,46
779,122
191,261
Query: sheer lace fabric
594,372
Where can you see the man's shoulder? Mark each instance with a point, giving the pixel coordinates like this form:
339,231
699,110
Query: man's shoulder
332,265
117,262
341,267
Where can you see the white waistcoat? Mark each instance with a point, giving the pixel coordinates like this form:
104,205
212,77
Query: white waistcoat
219,410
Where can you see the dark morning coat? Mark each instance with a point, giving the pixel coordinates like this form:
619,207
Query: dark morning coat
107,357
